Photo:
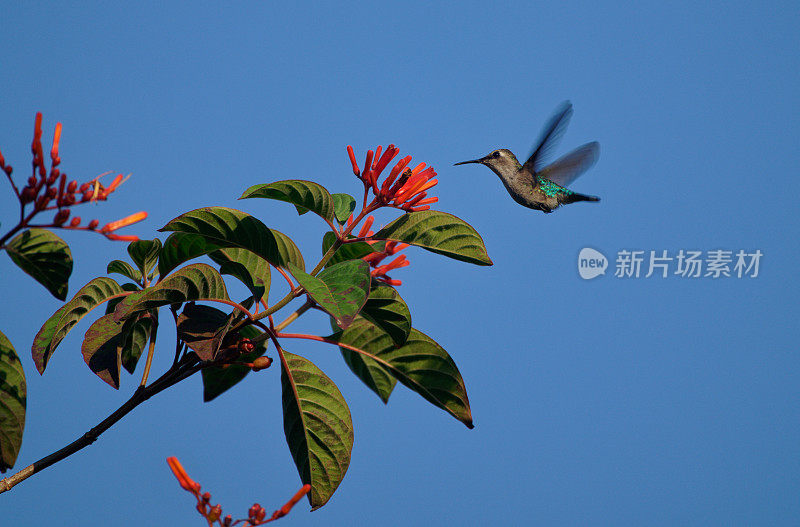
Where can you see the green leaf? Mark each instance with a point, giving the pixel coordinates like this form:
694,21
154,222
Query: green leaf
125,269
386,309
135,335
203,329
440,233
57,326
45,257
102,350
179,248
13,400
341,289
232,228
420,364
349,251
218,379
368,337
318,427
250,269
193,282
144,254
343,206
302,194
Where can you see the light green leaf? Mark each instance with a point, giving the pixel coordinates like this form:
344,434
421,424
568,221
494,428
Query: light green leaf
318,427
440,233
302,194
193,282
45,257
144,254
420,364
232,228
57,326
343,206
13,400
341,289
125,269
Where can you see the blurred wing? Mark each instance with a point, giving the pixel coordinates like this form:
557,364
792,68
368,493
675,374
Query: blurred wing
550,136
566,169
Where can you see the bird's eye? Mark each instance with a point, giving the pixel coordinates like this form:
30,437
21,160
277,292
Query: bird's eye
496,153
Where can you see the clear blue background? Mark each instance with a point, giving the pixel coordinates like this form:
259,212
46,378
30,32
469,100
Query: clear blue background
610,402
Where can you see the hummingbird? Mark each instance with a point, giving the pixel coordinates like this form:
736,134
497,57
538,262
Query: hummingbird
539,186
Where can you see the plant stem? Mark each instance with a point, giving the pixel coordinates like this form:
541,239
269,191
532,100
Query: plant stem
170,377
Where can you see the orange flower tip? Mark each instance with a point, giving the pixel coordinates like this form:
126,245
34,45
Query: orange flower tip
122,237
38,125
417,169
56,139
119,180
377,156
418,209
180,474
124,222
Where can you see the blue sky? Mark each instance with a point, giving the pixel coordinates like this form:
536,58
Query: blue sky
657,401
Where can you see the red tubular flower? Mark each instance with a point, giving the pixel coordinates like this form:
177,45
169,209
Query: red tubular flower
283,511
379,271
183,478
402,185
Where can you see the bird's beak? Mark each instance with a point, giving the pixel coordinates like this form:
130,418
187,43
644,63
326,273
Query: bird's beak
471,161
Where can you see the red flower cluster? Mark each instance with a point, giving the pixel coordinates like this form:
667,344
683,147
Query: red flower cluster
256,515
51,191
374,259
407,192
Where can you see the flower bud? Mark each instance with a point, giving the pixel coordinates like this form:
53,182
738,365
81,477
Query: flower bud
214,513
32,181
83,188
262,363
93,224
75,221
8,169
52,192
72,187
61,217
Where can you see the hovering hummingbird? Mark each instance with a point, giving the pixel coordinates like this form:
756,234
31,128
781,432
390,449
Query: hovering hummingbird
540,187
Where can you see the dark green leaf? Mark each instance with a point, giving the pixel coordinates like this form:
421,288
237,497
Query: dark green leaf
440,233
193,282
203,329
125,269
420,364
13,399
303,194
102,351
318,427
135,335
111,305
250,269
57,326
218,379
349,251
341,289
179,248
45,257
232,228
144,254
366,336
343,206
386,309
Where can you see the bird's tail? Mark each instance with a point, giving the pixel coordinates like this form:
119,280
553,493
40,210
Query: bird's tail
572,198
